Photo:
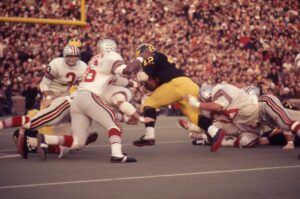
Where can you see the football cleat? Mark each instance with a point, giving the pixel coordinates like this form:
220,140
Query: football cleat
217,141
42,146
199,142
91,138
124,159
143,142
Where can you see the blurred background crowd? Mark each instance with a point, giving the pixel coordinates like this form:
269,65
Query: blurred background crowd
243,42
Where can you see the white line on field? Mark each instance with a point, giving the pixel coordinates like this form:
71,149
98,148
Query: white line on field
147,177
125,128
89,146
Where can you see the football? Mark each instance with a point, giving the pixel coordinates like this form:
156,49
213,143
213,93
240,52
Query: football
151,84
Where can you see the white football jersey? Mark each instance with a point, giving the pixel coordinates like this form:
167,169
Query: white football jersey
62,76
100,73
239,107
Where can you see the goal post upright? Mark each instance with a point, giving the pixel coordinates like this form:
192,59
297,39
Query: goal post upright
80,22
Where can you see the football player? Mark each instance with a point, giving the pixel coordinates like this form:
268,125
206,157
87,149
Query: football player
61,74
233,105
88,104
173,85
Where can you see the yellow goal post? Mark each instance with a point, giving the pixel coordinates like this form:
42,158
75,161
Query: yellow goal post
80,22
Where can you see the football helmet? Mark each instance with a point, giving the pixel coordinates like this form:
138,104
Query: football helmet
142,48
252,90
106,45
71,55
205,92
75,42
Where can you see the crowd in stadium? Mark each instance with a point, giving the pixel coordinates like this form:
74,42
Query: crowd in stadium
244,42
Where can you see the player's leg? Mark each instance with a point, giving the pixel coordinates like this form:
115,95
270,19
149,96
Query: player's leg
161,96
58,111
272,107
103,115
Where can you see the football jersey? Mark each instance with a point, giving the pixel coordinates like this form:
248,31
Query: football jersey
100,73
63,76
239,107
162,68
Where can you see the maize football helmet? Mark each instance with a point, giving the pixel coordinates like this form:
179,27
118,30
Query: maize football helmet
142,48
75,42
71,55
106,45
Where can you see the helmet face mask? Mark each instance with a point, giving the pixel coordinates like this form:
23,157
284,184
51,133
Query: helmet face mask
106,45
71,55
143,48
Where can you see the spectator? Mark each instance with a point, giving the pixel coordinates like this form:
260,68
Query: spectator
213,41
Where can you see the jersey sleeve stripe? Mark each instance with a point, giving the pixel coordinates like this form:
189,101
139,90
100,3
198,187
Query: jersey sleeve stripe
115,65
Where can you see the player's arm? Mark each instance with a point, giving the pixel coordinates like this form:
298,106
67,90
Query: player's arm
119,67
216,106
121,81
45,83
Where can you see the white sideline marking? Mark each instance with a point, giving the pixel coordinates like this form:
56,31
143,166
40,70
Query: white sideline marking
9,156
124,127
89,146
147,177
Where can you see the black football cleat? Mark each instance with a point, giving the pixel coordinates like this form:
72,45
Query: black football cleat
217,141
42,146
91,138
198,142
124,159
22,145
143,142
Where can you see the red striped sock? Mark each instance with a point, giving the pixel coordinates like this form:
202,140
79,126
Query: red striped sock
68,140
15,121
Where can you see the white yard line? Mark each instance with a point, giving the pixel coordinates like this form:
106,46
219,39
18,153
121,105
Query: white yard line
125,128
3,153
99,180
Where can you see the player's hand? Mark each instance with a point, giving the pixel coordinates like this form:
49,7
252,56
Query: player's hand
193,101
146,119
45,103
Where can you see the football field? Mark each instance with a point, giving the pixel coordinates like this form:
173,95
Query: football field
171,169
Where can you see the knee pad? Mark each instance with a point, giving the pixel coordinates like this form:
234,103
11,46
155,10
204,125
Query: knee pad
77,143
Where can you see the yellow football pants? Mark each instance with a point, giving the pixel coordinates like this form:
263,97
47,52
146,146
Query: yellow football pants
174,91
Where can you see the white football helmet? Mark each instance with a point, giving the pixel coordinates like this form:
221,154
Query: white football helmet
205,92
252,90
106,45
71,55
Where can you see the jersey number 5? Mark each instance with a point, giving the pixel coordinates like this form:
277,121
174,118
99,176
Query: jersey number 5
90,75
